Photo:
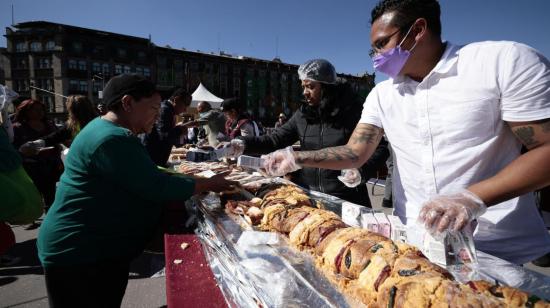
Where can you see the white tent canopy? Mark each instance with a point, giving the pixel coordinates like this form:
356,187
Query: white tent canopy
202,94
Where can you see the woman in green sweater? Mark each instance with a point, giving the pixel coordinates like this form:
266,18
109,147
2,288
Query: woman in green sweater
109,200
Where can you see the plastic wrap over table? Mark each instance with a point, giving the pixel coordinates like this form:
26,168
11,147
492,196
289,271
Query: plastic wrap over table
261,269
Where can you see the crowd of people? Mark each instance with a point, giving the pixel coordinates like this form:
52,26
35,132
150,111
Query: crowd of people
455,133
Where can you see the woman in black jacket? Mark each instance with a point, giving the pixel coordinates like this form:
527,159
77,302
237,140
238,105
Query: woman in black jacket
327,119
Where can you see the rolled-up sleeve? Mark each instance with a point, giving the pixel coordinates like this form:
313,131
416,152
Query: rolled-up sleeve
371,110
524,80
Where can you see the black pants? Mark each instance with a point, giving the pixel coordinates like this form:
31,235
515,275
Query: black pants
91,285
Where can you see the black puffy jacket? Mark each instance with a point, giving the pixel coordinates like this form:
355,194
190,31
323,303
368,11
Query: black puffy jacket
328,125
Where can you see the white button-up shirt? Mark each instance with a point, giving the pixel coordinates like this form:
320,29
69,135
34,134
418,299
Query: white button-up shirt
449,132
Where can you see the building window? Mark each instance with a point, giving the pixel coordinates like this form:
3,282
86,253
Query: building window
209,68
73,65
146,72
121,53
21,85
161,62
142,55
223,86
82,65
118,69
236,85
46,84
21,63
98,50
21,47
50,45
139,70
106,69
83,86
127,69
48,101
96,67
77,47
97,86
36,46
43,63
73,85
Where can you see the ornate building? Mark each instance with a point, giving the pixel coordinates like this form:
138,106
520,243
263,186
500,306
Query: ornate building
69,60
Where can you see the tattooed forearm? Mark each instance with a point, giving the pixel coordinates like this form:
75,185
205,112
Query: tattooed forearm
546,126
525,135
341,153
367,134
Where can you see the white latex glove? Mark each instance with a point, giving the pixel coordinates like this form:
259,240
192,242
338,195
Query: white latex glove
451,213
237,146
350,177
280,162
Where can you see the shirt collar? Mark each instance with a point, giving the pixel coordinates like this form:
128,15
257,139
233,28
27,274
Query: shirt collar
446,63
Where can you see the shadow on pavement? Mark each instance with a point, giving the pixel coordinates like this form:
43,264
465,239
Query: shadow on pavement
23,304
7,280
147,265
29,263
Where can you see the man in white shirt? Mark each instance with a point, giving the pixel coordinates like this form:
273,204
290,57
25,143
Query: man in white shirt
456,117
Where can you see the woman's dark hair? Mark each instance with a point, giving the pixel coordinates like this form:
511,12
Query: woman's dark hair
407,11
22,110
81,111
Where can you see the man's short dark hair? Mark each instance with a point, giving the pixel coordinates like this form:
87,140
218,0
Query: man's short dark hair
407,11
206,105
181,92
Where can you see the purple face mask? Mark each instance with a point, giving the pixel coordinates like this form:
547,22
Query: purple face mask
392,61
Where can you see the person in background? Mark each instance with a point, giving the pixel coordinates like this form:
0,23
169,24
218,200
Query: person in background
281,120
238,122
21,202
212,123
45,166
80,112
101,109
456,131
166,133
109,200
327,118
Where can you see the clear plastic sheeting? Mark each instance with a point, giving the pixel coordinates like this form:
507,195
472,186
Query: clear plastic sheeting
259,269
502,272
495,270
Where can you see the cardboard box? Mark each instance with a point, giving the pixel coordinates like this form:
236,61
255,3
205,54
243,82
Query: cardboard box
351,213
384,227
369,222
398,229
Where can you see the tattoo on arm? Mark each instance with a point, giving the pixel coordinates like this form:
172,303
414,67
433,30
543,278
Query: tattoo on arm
546,127
336,153
525,135
368,134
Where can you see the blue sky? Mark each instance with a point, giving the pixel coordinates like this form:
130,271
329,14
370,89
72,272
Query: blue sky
305,29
